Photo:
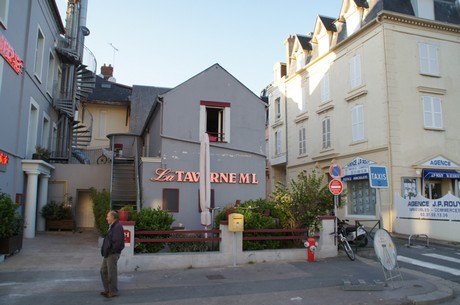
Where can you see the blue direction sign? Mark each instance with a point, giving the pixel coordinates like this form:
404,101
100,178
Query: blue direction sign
335,171
378,177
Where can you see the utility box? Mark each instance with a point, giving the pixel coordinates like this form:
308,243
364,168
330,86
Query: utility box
236,222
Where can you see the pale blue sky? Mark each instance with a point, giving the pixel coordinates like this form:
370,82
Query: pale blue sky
164,43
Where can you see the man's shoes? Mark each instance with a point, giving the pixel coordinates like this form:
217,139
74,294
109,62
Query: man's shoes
104,293
110,295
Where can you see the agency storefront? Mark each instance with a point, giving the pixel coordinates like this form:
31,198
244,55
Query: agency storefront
430,204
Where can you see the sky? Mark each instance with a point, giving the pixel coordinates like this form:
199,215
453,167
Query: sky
164,43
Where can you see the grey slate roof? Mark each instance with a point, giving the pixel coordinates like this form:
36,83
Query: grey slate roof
305,42
143,99
107,92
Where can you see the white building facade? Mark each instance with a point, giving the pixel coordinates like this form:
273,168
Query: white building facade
376,86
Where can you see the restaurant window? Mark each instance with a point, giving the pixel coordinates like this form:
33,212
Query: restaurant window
216,120
171,200
361,198
50,78
39,51
212,206
4,12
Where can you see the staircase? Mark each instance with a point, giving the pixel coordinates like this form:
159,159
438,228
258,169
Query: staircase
124,185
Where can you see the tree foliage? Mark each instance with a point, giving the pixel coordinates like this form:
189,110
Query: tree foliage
303,201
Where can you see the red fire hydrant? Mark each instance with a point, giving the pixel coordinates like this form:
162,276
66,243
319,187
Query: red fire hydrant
310,244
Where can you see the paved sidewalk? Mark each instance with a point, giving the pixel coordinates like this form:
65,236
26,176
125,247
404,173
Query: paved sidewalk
63,268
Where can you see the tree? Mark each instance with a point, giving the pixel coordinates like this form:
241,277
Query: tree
303,201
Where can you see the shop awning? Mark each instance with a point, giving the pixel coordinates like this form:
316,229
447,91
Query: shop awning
356,177
440,173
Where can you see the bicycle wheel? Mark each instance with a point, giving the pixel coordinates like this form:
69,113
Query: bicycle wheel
348,249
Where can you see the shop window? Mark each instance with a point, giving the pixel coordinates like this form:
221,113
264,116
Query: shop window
355,71
4,12
409,187
429,61
302,141
357,123
433,189
432,112
361,198
326,129
216,119
39,51
213,205
171,200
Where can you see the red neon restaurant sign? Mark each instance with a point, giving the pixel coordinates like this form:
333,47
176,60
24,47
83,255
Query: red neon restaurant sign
10,56
166,175
3,158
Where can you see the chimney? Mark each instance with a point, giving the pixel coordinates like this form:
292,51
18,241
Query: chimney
107,71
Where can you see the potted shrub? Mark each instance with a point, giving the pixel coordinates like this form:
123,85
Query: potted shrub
41,153
124,212
58,216
10,226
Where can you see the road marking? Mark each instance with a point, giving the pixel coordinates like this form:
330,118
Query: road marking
443,257
428,265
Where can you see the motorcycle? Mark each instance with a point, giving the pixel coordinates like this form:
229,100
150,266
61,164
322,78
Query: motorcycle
354,234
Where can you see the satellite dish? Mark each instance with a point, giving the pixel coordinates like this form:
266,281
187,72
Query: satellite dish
385,249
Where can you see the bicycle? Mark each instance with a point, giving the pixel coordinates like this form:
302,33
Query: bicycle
342,240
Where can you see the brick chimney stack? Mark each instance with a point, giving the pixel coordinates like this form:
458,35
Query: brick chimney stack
107,71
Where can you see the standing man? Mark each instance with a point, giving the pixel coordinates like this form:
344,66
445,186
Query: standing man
111,248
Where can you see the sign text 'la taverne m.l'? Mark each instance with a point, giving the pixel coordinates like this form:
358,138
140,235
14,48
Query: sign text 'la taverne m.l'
166,175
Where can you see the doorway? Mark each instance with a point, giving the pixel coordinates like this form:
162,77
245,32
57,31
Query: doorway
84,210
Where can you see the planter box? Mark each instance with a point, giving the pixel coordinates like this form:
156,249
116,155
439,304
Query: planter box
9,246
60,224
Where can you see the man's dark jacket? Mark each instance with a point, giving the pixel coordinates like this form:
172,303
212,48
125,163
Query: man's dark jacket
114,241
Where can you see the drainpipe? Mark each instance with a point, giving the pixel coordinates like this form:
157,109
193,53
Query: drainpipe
390,151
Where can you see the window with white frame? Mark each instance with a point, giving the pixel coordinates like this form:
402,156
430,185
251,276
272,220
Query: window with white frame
46,131
278,142
215,117
323,43
326,129
357,123
325,89
302,141
4,12
50,78
39,50
355,71
429,59
278,108
432,112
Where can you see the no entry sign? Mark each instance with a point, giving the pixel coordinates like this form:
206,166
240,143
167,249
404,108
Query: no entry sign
335,187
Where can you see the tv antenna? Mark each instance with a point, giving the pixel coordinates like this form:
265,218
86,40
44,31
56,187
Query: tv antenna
114,50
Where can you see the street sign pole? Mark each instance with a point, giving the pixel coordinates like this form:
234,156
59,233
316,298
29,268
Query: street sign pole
378,178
